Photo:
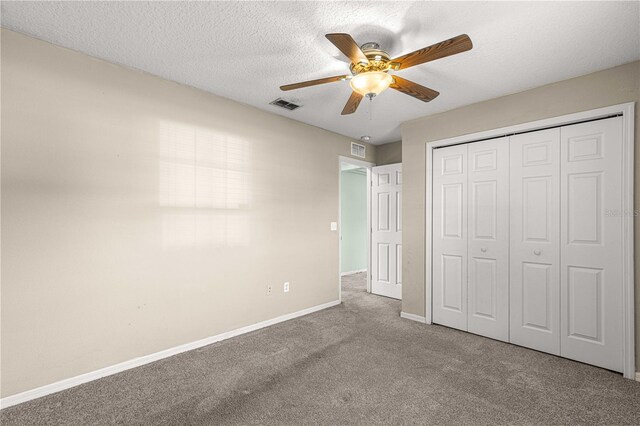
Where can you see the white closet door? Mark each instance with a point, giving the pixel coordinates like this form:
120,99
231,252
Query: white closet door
450,236
591,280
535,240
488,239
386,235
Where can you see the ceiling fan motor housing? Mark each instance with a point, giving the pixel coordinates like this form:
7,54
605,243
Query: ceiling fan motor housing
378,60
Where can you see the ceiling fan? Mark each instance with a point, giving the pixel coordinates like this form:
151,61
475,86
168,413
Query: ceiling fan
370,66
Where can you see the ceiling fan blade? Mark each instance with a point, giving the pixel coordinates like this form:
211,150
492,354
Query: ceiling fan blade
313,82
455,45
352,103
347,45
413,89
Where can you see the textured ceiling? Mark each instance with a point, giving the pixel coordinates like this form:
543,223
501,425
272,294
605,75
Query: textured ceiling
246,50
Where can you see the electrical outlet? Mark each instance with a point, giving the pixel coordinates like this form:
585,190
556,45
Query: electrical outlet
286,287
269,289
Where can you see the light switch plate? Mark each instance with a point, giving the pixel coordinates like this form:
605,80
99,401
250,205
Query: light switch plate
334,226
286,287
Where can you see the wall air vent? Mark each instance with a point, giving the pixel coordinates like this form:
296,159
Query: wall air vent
358,150
285,104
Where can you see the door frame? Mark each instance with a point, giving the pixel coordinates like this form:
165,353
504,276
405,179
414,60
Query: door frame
625,110
367,165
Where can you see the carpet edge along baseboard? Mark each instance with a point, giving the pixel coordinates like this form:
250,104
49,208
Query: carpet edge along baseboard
61,385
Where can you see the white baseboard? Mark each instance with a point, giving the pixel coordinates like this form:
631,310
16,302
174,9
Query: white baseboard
352,272
137,362
413,317
637,376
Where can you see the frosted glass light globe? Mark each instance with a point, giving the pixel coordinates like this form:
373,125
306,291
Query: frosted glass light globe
372,82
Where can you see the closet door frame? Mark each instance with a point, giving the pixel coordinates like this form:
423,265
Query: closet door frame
626,111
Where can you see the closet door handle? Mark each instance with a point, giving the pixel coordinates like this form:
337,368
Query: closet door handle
483,249
537,252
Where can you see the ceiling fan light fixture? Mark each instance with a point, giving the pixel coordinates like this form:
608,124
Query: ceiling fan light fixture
372,82
369,66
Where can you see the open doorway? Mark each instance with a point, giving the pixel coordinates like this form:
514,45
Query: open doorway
355,225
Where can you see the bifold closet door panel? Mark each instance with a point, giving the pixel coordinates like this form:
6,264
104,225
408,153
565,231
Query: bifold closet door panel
535,240
488,238
450,236
591,251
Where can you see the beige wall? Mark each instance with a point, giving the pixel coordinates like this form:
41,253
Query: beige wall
139,214
389,153
609,87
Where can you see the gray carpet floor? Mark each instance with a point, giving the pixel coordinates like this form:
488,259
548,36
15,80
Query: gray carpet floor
356,363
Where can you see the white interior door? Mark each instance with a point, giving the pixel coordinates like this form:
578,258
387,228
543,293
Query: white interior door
535,240
450,236
591,280
386,232
488,239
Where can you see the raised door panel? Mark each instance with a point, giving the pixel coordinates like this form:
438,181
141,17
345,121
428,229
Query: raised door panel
383,263
535,240
449,256
382,222
452,210
383,178
584,208
537,306
585,310
591,243
399,264
536,209
452,278
488,238
386,233
484,274
484,202
398,206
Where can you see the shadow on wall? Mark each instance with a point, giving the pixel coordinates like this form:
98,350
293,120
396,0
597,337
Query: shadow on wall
204,187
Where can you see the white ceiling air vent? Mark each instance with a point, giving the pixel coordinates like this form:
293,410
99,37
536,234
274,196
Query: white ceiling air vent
358,150
285,104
